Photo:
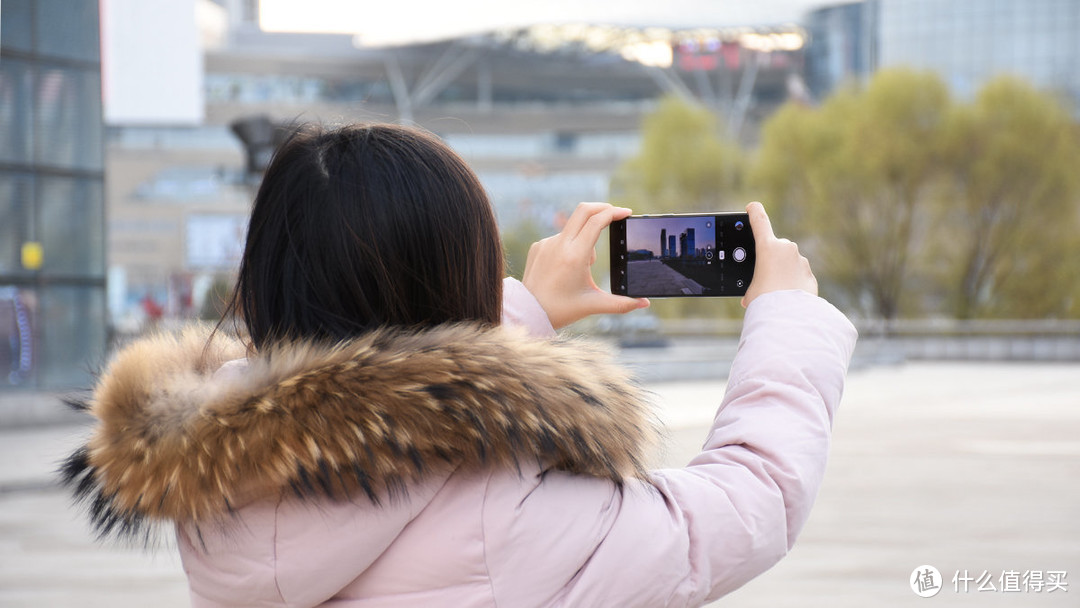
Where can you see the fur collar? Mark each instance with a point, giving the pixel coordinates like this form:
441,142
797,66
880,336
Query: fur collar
365,417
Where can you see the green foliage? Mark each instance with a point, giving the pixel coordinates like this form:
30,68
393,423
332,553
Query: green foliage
1012,157
792,138
685,164
909,203
516,243
217,299
906,201
853,178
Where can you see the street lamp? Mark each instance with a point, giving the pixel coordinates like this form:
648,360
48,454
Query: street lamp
261,138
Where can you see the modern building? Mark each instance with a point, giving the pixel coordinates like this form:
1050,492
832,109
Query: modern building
52,212
176,196
843,45
966,42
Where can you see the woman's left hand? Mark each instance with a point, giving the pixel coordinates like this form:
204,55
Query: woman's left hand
558,269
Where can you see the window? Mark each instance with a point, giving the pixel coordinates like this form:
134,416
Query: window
16,220
71,228
71,334
15,28
68,29
68,119
16,128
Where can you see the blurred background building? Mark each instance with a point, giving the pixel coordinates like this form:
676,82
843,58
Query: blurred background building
967,43
52,229
843,45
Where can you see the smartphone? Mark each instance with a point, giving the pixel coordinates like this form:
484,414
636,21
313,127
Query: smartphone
682,255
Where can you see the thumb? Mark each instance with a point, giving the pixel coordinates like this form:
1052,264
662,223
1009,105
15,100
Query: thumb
759,222
606,303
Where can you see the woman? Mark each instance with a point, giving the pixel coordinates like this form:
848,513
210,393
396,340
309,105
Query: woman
380,440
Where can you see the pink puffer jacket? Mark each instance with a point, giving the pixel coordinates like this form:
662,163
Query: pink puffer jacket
537,533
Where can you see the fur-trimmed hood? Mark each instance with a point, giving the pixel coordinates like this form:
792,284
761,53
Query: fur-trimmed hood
175,441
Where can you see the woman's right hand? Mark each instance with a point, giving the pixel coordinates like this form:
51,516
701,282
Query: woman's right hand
779,265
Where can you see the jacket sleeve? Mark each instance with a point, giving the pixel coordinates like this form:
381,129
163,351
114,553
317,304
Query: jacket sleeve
697,533
521,309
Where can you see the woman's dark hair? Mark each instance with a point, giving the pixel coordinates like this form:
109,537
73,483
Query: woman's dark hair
367,226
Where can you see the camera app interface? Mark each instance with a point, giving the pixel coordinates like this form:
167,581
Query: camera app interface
688,256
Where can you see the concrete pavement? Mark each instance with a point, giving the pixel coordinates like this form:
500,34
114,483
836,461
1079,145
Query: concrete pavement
966,467
653,277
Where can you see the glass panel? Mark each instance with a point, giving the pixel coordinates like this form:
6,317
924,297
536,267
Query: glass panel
16,220
68,120
72,225
15,25
72,335
15,112
18,341
68,28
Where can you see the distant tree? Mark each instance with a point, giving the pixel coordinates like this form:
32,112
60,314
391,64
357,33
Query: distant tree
853,177
516,242
1013,156
685,164
784,174
217,299
904,200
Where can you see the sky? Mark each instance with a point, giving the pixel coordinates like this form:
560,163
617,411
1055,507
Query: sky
377,22
645,233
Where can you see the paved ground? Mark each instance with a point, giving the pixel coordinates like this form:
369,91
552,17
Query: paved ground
960,466
653,276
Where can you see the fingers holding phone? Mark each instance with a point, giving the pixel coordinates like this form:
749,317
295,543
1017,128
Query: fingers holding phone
557,270
780,266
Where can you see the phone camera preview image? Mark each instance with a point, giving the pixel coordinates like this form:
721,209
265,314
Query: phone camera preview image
701,255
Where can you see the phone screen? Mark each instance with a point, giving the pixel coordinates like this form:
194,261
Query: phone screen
693,255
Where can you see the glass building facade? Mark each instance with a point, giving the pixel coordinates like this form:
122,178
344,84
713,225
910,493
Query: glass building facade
843,45
968,43
52,245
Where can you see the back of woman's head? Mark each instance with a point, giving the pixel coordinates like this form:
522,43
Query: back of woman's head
367,226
